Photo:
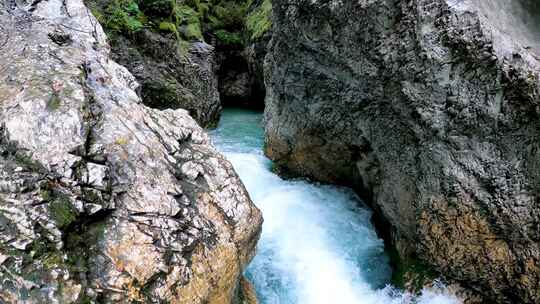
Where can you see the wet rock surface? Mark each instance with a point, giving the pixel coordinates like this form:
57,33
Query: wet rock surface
255,54
102,199
430,109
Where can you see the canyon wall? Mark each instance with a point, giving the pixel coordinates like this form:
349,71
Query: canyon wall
431,110
103,199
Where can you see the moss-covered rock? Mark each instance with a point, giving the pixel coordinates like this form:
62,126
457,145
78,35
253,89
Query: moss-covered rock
229,38
122,16
62,210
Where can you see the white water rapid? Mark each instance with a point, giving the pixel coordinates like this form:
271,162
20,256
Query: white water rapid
318,245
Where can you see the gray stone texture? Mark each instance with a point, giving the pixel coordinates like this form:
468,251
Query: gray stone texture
431,110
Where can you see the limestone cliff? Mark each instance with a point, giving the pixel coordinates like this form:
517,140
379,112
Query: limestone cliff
102,199
431,110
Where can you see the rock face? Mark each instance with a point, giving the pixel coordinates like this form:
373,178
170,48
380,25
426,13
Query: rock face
172,80
241,73
255,53
102,199
431,109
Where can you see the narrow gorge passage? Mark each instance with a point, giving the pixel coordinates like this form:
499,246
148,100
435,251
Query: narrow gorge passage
318,245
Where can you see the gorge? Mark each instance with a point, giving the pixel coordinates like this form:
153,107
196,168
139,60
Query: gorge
397,159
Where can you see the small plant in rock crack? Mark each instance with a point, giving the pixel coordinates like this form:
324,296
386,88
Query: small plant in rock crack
54,101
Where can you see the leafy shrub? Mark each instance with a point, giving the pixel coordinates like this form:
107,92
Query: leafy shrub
124,16
259,21
157,8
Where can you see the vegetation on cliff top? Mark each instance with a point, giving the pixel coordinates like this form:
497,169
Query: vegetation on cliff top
258,21
232,22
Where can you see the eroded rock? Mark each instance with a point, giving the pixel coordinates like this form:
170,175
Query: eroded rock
95,205
430,108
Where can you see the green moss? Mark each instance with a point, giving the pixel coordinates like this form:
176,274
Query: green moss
187,20
259,22
229,38
62,211
85,299
54,102
123,16
192,31
203,9
167,27
53,260
228,15
186,15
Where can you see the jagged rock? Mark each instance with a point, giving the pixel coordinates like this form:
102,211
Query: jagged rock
430,108
259,31
95,202
168,78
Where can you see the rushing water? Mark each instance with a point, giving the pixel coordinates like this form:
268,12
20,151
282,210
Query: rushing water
318,245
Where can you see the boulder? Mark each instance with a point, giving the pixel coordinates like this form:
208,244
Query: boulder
103,199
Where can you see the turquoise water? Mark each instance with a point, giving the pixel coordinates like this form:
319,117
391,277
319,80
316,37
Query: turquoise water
318,245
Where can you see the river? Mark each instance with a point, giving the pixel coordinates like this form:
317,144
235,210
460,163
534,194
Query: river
318,245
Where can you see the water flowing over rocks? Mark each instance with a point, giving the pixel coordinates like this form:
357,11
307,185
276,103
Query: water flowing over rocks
103,199
431,110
